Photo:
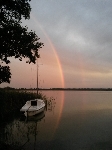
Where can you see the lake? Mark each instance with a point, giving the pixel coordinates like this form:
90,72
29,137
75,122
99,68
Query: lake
73,120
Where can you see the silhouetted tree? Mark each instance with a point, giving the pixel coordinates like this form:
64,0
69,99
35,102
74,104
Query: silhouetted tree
15,40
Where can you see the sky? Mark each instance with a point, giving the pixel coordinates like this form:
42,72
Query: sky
77,52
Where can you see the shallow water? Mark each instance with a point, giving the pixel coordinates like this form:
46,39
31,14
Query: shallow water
73,120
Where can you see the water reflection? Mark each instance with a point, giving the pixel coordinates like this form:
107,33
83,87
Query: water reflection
20,132
28,132
50,104
80,120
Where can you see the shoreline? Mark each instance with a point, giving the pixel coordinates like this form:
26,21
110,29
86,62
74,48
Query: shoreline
58,89
71,89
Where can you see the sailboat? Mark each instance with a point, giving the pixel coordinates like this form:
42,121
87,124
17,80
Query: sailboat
35,106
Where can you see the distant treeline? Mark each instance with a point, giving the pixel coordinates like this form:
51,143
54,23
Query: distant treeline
83,89
74,89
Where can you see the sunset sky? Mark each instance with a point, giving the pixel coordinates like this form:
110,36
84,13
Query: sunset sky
77,52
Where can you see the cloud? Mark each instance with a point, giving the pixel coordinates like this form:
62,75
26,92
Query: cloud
78,27
81,32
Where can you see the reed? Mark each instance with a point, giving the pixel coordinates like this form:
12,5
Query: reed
12,100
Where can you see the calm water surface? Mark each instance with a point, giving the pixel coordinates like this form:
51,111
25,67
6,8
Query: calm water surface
74,120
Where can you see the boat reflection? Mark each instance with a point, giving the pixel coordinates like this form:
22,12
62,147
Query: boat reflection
26,132
23,132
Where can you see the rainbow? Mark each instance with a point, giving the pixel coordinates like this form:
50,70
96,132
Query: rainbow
54,50
60,70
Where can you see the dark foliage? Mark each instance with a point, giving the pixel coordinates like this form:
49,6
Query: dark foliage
15,40
4,74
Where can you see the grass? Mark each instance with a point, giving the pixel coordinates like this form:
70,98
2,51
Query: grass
12,100
10,103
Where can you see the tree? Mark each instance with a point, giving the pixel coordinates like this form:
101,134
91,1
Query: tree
15,40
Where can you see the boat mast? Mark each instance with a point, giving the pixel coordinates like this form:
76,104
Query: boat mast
37,75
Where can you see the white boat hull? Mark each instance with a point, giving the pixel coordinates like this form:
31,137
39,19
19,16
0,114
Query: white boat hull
33,112
33,107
